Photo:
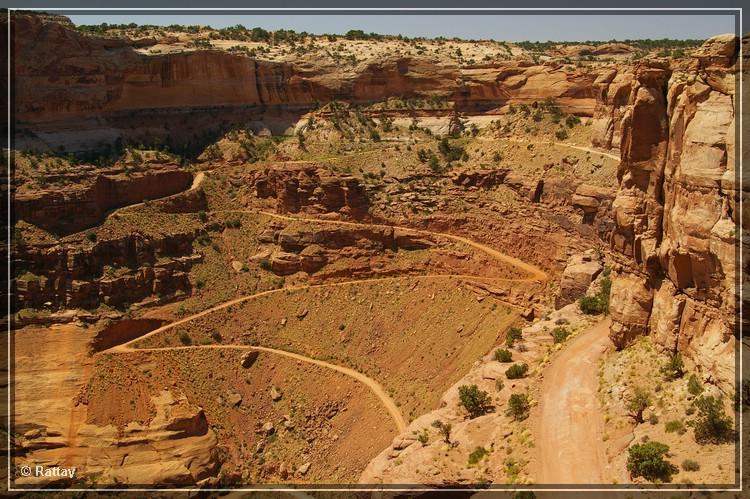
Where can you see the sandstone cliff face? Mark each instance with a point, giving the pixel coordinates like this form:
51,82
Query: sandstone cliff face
675,212
115,272
83,203
103,89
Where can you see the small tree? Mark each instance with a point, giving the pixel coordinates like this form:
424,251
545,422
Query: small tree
444,429
518,406
694,387
647,460
560,334
517,371
512,335
712,425
476,402
674,368
637,403
503,355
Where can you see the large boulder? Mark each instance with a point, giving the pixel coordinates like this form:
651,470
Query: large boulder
579,273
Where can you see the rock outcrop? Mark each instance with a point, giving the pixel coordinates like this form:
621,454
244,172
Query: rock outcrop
311,187
176,447
115,271
675,211
84,202
579,273
105,89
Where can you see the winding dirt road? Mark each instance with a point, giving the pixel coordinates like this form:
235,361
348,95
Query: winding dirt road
569,423
535,274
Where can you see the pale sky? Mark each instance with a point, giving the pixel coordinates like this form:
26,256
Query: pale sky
501,26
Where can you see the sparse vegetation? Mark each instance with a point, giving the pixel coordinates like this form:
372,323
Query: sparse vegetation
636,403
517,371
674,368
512,336
518,406
503,355
477,455
712,425
476,402
560,334
599,303
647,460
444,429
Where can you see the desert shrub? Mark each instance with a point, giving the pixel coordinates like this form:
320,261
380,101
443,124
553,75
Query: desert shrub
200,284
518,406
560,334
561,134
674,368
712,425
477,455
185,338
497,156
374,135
203,239
572,120
517,371
599,303
653,419
476,402
512,335
423,438
695,387
202,216
675,426
91,236
647,460
265,264
636,403
499,384
503,355
690,465
216,336
444,429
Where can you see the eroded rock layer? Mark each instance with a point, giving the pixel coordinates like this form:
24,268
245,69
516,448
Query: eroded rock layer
675,215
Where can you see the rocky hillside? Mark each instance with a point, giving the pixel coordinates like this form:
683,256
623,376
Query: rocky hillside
675,212
183,98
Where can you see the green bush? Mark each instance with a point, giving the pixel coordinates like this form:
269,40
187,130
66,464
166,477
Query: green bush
647,460
499,384
202,216
695,387
444,429
185,338
561,134
560,334
477,455
690,465
265,264
674,368
712,425
91,236
476,402
503,355
599,303
518,406
517,371
675,426
637,403
512,335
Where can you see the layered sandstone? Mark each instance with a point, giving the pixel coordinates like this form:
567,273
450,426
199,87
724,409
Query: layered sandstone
78,91
84,202
114,271
675,212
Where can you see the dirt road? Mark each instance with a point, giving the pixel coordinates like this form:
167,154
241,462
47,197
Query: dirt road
569,423
535,274
373,385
